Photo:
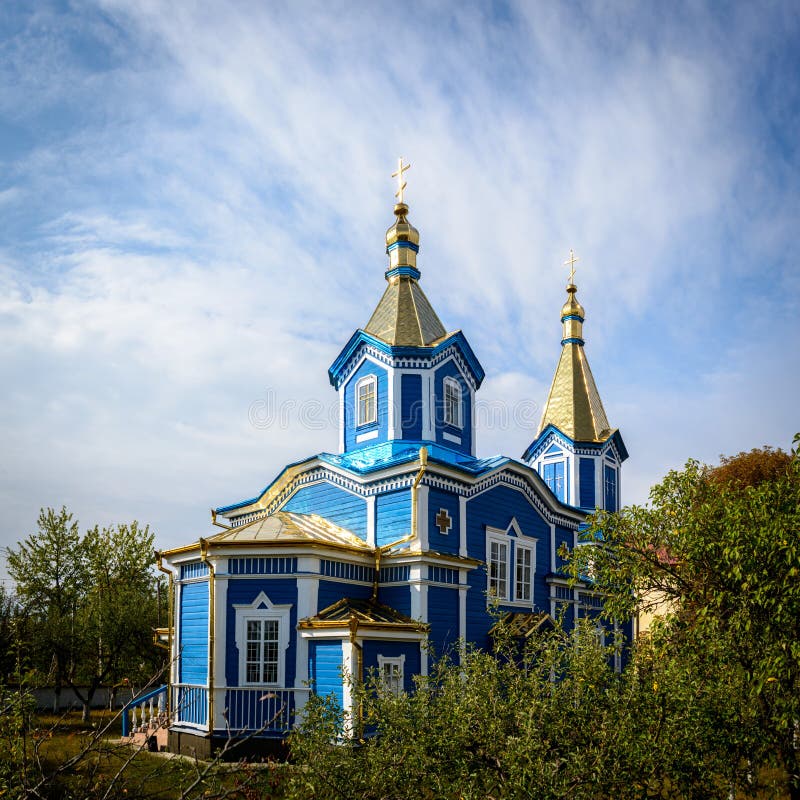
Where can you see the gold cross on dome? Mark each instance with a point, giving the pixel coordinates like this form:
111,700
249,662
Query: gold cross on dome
571,261
401,184
443,521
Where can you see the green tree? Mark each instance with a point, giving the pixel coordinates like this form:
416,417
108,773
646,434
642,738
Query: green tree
118,610
557,722
10,619
93,599
49,569
722,546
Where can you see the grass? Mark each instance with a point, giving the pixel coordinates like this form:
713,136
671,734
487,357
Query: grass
108,768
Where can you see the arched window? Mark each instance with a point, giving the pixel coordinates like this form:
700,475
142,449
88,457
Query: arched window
452,402
367,400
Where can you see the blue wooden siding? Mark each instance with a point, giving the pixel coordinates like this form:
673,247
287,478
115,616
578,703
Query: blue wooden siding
331,591
438,499
243,591
332,502
325,668
610,475
450,370
563,537
443,619
553,450
496,507
392,516
351,430
194,633
372,648
586,480
411,406
398,597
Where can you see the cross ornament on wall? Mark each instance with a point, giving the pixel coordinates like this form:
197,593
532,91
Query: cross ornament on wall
443,521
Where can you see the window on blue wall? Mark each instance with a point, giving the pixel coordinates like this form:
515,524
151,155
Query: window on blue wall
610,475
452,402
262,651
262,638
366,400
554,478
390,671
523,573
497,567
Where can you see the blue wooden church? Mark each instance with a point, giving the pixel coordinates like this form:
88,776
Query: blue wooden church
393,548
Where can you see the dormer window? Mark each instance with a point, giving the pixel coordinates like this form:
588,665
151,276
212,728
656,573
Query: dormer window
367,400
452,402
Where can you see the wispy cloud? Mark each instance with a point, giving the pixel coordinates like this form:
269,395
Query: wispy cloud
195,197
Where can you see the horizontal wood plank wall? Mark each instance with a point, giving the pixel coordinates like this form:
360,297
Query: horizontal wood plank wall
392,516
443,619
332,502
325,668
194,633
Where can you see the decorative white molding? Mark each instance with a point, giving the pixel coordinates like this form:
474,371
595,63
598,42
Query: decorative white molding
253,611
365,437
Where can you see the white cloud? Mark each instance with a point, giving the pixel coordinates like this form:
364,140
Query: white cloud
197,217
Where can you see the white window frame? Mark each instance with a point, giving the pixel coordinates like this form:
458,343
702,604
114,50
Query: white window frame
513,544
262,609
501,540
454,386
530,549
552,461
362,383
391,662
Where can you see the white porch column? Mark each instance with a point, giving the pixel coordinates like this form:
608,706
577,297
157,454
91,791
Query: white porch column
220,642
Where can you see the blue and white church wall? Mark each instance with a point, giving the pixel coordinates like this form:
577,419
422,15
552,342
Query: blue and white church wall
406,394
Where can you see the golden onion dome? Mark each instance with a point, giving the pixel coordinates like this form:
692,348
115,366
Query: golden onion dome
572,307
402,230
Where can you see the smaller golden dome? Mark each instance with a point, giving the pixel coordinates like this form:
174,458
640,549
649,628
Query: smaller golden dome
572,307
402,230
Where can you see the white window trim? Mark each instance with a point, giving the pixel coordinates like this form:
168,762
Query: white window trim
551,462
520,546
500,537
512,543
454,384
251,611
399,661
373,379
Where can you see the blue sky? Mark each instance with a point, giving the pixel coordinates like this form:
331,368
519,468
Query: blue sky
193,198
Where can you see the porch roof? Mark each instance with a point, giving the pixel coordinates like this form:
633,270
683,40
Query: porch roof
521,624
285,526
352,611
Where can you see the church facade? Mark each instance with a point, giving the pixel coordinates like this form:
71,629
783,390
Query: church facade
387,553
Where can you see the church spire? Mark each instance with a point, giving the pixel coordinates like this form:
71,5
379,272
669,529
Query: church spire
573,405
404,316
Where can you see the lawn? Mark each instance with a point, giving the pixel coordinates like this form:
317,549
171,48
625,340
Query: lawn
106,768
